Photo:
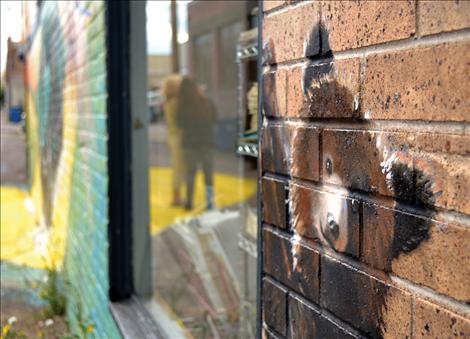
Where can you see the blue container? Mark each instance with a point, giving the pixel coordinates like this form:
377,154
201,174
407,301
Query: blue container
15,114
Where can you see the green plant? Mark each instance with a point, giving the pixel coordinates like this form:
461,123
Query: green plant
9,332
85,327
51,290
52,287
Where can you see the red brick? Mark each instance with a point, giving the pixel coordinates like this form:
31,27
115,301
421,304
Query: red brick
271,4
291,150
450,179
274,202
434,321
425,172
311,211
306,322
274,94
418,249
349,24
292,34
295,265
275,306
396,314
362,300
418,84
442,262
443,16
439,143
325,90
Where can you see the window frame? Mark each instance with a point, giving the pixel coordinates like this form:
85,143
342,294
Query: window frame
125,129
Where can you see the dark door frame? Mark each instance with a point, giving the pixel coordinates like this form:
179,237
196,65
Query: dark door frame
127,227
119,151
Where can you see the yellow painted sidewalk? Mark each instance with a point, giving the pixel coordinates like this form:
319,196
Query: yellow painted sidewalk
25,243
228,191
20,237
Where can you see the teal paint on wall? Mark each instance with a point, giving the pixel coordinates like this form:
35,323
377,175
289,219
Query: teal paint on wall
68,94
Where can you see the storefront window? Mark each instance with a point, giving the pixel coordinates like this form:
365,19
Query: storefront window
203,179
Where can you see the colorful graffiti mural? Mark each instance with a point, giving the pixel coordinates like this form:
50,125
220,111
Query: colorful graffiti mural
67,137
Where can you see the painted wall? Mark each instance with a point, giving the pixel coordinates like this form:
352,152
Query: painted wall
366,169
67,134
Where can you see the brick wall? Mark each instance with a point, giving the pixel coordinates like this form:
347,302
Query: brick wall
366,169
67,133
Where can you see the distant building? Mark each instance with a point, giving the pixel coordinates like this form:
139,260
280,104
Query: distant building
159,66
14,77
214,28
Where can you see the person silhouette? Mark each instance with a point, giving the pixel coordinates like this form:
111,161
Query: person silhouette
170,90
196,116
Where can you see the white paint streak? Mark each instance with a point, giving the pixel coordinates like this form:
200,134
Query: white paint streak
295,241
386,166
356,106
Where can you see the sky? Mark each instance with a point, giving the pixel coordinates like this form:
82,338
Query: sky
159,26
10,21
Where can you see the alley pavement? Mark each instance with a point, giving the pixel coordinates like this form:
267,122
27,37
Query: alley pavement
13,153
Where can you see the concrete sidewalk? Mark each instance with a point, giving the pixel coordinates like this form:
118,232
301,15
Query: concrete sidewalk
13,152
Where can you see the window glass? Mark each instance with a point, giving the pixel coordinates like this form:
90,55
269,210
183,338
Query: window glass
203,50
228,52
203,178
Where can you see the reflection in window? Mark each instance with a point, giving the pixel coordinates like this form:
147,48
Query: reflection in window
228,51
203,59
202,187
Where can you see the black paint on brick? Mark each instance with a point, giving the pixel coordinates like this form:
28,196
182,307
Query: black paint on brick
306,321
278,260
274,306
271,107
354,297
275,149
274,203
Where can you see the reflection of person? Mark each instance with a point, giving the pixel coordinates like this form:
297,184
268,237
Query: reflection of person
196,117
171,88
